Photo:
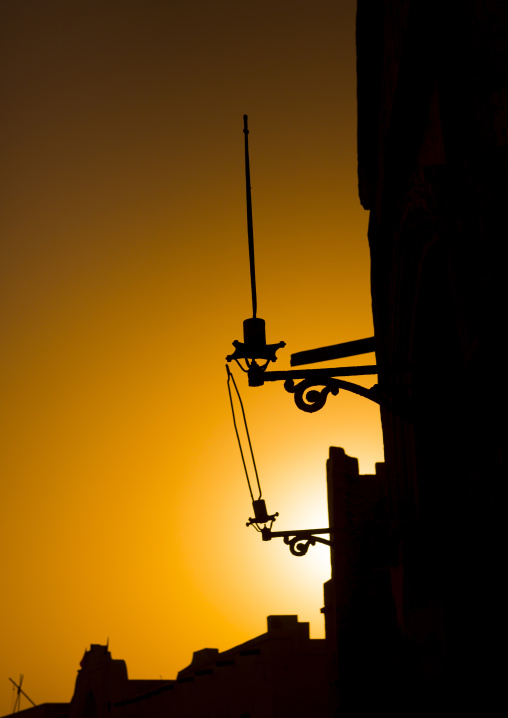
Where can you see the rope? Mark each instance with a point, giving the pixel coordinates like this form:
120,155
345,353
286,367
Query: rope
230,376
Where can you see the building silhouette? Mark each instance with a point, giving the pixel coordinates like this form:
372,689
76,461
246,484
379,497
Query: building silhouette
433,172
282,673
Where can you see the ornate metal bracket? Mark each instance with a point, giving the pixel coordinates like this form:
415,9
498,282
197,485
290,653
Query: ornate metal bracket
298,541
307,396
310,387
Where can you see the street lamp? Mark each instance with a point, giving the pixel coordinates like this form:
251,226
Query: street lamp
254,355
299,540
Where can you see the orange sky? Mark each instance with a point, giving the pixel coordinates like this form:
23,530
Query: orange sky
124,280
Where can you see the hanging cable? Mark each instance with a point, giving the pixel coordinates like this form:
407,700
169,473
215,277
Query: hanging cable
230,376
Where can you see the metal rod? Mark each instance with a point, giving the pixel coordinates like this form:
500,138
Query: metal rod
320,373
303,533
336,351
250,230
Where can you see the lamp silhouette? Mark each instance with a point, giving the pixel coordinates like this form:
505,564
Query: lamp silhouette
298,541
256,354
254,346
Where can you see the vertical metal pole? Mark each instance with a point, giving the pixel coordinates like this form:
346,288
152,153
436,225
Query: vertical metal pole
250,230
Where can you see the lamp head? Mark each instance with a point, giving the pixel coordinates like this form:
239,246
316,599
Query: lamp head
261,516
254,348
